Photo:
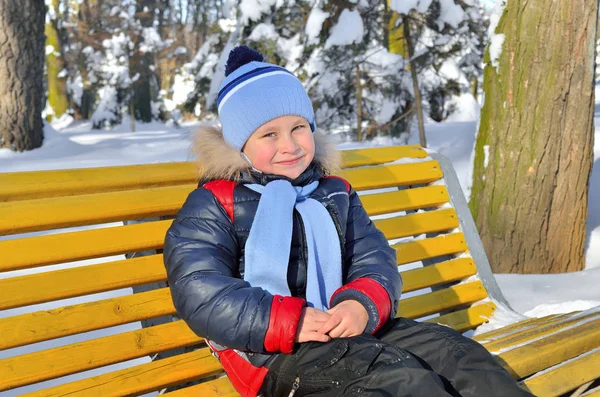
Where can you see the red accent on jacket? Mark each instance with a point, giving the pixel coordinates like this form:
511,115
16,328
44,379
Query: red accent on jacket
374,291
222,189
283,324
341,179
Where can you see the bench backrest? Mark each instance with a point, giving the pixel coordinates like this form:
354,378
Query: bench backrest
65,286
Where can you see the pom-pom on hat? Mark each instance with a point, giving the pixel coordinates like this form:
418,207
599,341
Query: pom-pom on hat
255,92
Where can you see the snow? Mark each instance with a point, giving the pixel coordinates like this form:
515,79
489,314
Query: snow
451,13
348,29
404,6
496,42
263,31
315,23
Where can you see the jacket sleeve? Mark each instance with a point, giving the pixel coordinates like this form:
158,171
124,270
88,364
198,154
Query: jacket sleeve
201,256
372,277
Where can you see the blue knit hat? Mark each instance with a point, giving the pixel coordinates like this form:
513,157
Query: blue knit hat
255,92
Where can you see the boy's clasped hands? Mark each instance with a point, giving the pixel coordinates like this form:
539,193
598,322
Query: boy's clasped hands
348,318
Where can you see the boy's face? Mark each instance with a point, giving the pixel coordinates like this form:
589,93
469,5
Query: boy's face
283,146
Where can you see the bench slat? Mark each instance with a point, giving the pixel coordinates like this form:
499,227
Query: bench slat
87,244
418,250
70,182
422,223
466,319
393,175
38,184
438,301
142,378
540,330
220,387
516,327
440,273
53,213
65,360
58,284
58,248
43,325
566,377
552,350
381,155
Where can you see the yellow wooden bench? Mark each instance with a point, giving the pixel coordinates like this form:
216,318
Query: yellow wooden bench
414,198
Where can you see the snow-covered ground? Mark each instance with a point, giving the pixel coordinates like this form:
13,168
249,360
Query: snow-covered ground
71,144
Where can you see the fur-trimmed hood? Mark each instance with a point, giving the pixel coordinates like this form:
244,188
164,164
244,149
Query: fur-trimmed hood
218,160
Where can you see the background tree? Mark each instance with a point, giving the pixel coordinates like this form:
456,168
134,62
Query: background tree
534,150
21,73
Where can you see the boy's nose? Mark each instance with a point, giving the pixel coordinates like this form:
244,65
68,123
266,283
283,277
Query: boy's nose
288,145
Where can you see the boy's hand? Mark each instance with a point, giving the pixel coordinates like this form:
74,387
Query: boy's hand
310,322
348,318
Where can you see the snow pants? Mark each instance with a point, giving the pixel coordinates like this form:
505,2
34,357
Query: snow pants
405,358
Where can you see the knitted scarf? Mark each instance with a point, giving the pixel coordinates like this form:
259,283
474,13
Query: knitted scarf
267,252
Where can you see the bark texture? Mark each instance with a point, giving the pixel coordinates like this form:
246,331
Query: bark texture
534,149
21,73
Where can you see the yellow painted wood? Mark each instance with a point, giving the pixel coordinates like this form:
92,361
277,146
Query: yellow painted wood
404,200
567,377
60,361
537,330
515,327
220,387
466,319
380,155
551,350
58,212
25,253
43,325
435,302
418,250
142,378
593,393
412,225
82,280
393,175
39,184
440,273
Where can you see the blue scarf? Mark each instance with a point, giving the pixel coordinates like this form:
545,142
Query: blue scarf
267,252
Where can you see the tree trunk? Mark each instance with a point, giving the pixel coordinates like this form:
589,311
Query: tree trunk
534,150
57,81
359,136
415,80
21,73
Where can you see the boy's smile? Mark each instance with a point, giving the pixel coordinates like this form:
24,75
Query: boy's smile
283,146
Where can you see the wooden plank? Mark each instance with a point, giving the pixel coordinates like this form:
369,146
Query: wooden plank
43,325
65,360
83,280
39,184
466,319
58,248
416,224
380,155
89,209
418,250
393,175
566,377
551,350
26,253
440,273
405,200
535,331
58,212
516,327
221,387
592,393
438,301
140,379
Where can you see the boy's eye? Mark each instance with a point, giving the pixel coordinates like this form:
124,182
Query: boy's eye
298,127
269,134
